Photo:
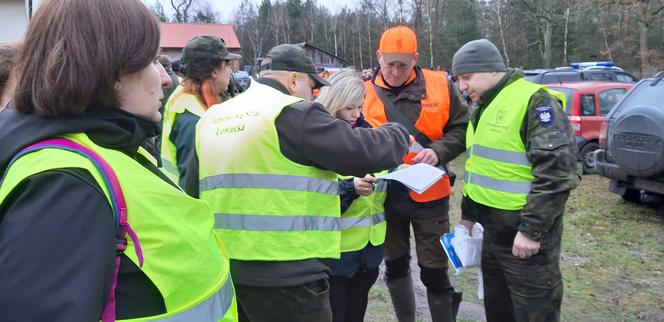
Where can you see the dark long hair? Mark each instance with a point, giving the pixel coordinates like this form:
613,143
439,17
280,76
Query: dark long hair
198,80
76,50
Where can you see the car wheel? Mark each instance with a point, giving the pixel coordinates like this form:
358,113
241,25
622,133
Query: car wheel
631,195
652,199
587,158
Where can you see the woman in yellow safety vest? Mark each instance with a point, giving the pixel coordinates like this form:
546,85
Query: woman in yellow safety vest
362,220
90,228
206,65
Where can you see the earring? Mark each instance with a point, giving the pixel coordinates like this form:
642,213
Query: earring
118,86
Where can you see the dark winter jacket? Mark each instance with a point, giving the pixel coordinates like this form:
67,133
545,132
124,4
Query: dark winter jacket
57,235
368,257
183,137
347,192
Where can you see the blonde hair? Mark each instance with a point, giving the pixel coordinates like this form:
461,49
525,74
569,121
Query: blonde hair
347,89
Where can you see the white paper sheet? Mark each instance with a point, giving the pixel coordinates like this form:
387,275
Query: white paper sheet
418,177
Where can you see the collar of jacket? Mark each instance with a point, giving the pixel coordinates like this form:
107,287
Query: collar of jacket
111,128
122,131
414,89
511,75
274,84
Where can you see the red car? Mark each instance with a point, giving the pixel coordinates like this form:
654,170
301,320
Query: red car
587,104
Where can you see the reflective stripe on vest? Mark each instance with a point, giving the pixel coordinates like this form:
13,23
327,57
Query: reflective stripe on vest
267,207
496,184
500,155
275,223
212,309
173,228
431,121
364,220
171,170
498,172
269,181
350,222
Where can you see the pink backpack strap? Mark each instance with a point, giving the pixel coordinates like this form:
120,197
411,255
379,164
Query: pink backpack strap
122,227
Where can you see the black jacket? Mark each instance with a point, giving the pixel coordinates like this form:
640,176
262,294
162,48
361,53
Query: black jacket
347,193
183,137
57,235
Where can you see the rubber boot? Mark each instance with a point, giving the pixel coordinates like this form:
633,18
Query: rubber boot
456,302
403,298
444,306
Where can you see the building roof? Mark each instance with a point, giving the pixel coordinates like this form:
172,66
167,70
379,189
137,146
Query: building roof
176,35
306,44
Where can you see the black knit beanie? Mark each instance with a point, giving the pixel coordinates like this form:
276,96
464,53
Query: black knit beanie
477,56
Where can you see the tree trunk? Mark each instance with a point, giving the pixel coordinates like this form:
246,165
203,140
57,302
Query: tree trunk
548,32
359,39
499,4
646,69
430,15
606,44
565,62
371,54
336,45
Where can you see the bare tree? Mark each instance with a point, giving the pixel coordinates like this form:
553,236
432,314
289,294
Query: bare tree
544,19
359,38
566,33
499,13
309,16
649,10
181,8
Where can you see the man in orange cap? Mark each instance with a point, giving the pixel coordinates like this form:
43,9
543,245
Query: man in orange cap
426,103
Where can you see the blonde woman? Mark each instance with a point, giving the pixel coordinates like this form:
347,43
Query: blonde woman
362,219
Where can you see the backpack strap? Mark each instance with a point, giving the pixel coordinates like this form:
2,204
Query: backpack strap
122,227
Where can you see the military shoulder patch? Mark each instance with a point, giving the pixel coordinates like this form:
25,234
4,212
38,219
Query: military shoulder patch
545,115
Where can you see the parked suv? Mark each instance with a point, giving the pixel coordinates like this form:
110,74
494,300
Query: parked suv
587,103
568,74
586,71
632,143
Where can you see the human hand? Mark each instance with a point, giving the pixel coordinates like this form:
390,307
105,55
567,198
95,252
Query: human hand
428,156
364,186
403,166
524,247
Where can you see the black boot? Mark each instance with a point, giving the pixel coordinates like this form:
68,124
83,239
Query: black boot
403,298
444,306
456,302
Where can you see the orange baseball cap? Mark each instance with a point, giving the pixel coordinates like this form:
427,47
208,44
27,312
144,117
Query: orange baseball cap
398,44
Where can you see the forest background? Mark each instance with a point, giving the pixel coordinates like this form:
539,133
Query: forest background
529,33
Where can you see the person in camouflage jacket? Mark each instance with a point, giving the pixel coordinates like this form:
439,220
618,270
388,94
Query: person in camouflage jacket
521,248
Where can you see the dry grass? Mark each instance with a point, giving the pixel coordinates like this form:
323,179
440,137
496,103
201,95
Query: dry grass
612,261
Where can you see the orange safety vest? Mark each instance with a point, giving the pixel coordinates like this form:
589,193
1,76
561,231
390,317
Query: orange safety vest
433,117
324,76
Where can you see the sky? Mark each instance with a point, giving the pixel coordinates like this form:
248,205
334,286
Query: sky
226,7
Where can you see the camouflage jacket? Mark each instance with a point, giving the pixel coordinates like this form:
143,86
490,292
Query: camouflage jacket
552,151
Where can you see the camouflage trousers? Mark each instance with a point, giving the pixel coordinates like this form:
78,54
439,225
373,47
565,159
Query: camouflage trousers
518,289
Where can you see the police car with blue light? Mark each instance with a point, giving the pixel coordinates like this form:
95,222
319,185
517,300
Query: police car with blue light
603,71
